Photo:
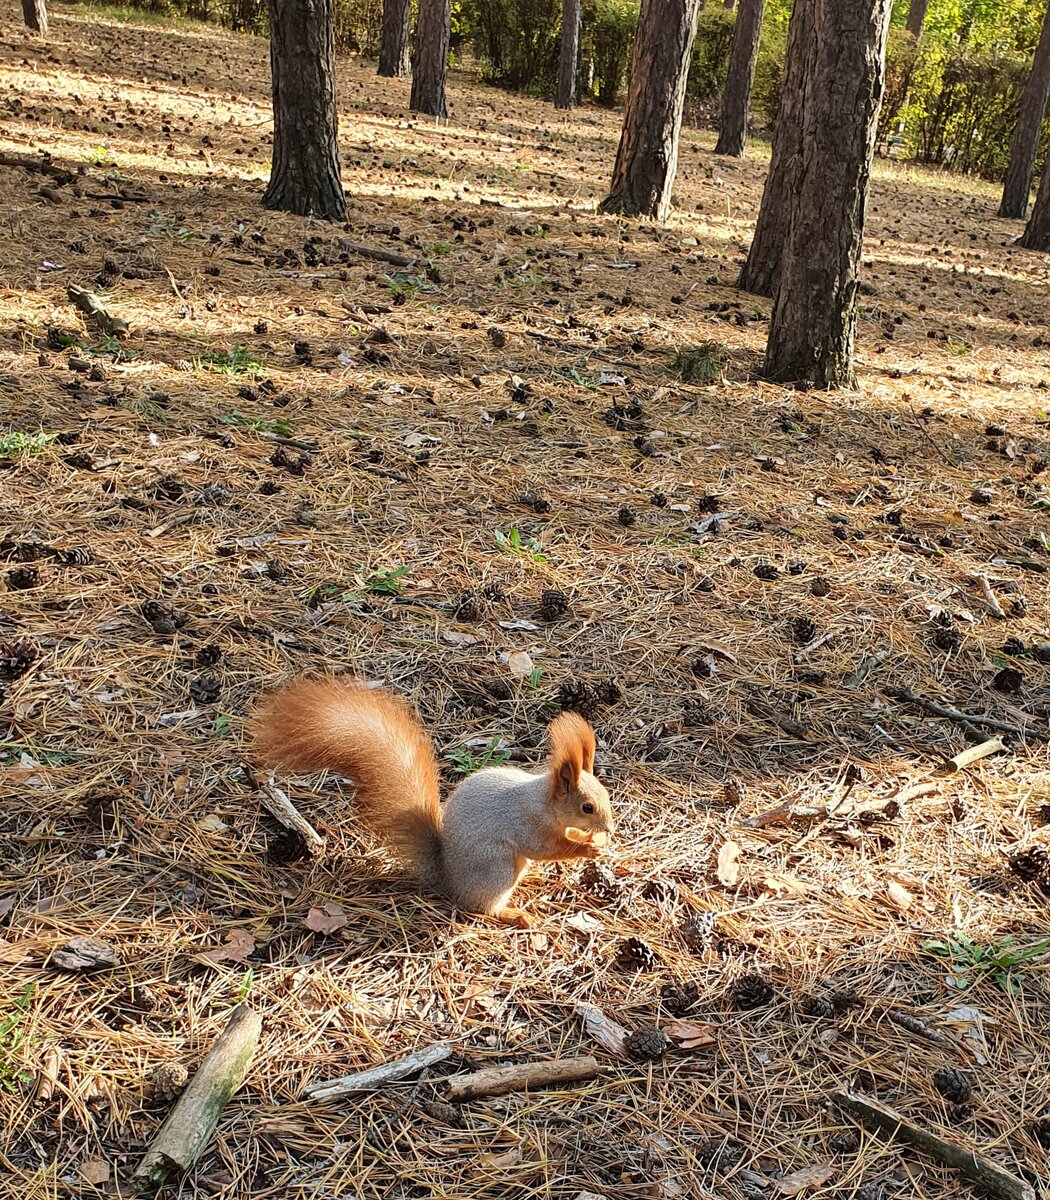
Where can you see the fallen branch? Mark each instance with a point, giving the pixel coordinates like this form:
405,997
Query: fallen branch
952,714
382,472
284,811
916,1025
496,1081
191,1123
972,1166
91,306
867,665
783,720
966,758
994,607
36,166
376,1077
387,256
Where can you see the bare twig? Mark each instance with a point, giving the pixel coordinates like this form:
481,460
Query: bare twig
520,1077
376,1077
866,666
973,1166
278,805
952,714
387,256
994,607
966,758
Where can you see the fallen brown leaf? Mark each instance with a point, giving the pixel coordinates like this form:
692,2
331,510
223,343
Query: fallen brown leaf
331,917
728,866
899,895
792,1185
94,1170
690,1035
238,945
605,1031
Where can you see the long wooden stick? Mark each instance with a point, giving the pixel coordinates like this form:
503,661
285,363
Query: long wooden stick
191,1123
284,811
966,758
952,714
520,1077
374,1077
973,1166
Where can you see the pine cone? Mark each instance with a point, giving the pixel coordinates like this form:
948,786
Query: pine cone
207,656
553,604
1033,866
818,1006
720,1155
846,1142
625,516
646,1044
22,578
575,696
679,998
1043,812
698,929
767,572
16,658
751,991
634,955
803,630
161,616
598,879
167,1080
1040,1130
953,1085
468,608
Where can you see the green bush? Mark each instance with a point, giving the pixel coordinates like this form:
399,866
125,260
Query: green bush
516,41
608,34
710,61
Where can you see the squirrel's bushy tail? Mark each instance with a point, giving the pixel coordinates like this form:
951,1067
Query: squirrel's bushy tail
373,738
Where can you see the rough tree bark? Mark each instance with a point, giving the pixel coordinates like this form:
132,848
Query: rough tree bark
569,55
812,327
1017,182
35,14
395,38
917,17
430,61
647,156
736,99
763,259
1036,234
304,177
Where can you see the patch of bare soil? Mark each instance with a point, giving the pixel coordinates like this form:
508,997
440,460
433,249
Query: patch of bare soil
533,431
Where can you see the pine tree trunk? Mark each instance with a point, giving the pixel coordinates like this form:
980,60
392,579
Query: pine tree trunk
647,156
568,58
812,327
736,99
1036,234
430,61
35,14
917,17
763,259
304,177
1017,182
395,37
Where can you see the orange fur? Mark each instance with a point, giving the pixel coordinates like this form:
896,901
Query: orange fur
373,738
572,751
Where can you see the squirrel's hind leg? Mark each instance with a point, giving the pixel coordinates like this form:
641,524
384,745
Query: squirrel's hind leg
517,917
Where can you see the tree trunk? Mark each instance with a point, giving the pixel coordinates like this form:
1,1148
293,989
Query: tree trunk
304,177
395,37
743,54
763,259
917,17
568,59
812,327
1017,182
647,156
430,62
1036,234
35,14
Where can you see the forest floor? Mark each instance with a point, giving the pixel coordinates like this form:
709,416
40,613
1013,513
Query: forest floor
305,459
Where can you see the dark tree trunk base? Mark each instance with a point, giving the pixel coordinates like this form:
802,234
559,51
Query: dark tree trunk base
34,13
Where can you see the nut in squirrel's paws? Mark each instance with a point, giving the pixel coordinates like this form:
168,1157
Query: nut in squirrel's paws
591,843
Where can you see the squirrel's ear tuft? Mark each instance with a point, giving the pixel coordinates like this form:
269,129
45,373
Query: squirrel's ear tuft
572,750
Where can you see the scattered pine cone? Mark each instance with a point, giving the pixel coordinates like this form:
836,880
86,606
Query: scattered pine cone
820,587
844,1142
16,658
497,337
22,578
207,656
205,689
720,1155
1043,812
1033,866
680,998
553,604
167,1080
633,954
647,1044
1040,1130
732,793
947,639
751,991
803,630
766,572
493,593
953,1085
161,616
598,879
1041,651
468,607
1014,647
625,516
818,1006
287,846
698,930
587,699
1008,681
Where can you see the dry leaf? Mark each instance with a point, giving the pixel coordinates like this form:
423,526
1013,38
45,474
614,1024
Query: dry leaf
603,1029
238,945
509,1158
212,823
781,884
456,638
792,1185
520,665
584,923
327,919
899,896
728,867
690,1035
538,940
94,1171
47,1077
718,650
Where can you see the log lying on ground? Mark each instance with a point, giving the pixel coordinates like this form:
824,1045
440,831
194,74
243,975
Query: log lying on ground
496,1081
375,1077
192,1121
876,1115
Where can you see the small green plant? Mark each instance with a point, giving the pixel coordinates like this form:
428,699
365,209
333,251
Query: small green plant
535,675
260,424
12,1035
11,754
386,581
465,762
236,361
402,288
513,544
246,985
100,156
440,249
16,443
969,962
222,725
957,348
703,364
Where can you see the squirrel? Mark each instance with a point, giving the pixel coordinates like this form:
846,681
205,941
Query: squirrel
474,848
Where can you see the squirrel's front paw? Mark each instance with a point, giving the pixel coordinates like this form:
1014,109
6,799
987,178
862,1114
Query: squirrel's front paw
591,851
517,917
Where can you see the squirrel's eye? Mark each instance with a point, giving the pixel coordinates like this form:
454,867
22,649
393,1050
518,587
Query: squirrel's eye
588,808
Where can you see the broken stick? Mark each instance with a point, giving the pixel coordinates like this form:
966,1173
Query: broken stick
284,811
875,1114
375,1077
966,758
91,306
520,1077
191,1123
952,714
